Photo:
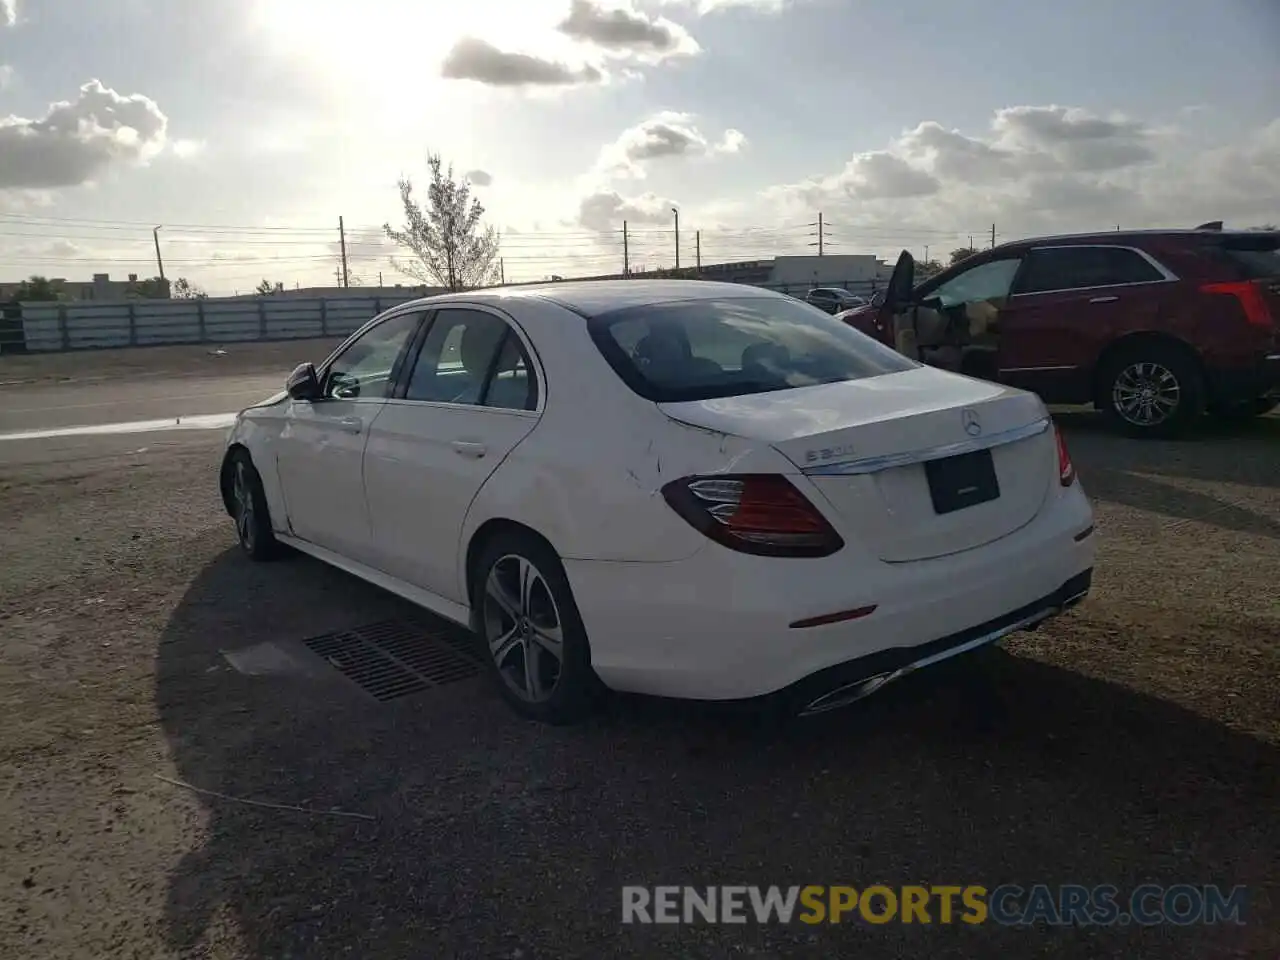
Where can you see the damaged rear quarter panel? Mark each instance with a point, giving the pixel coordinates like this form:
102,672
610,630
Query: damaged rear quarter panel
597,494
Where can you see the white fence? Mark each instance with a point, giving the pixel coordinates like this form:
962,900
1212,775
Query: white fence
82,326
44,327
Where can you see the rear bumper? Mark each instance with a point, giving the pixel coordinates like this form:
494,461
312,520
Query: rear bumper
1238,384
854,679
725,626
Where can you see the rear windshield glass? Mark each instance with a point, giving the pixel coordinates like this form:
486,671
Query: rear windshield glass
703,349
1256,258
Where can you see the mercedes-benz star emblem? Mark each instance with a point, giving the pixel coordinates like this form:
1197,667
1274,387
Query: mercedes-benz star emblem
972,425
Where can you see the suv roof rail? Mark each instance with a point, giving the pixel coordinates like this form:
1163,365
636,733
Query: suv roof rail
1211,225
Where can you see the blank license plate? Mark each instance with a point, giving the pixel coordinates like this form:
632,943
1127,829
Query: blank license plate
963,481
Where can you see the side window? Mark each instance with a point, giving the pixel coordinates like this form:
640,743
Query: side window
363,370
987,281
1082,268
471,357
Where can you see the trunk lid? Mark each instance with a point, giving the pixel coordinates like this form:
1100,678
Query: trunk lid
865,444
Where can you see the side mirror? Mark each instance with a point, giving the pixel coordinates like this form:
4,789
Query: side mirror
303,384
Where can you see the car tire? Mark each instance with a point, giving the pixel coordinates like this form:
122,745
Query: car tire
248,508
1152,391
524,616
1258,407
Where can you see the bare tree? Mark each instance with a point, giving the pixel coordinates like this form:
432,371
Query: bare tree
449,246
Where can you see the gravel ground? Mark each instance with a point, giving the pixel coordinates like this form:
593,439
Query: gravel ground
1136,739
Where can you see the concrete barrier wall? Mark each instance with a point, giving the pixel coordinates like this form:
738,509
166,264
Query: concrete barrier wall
86,326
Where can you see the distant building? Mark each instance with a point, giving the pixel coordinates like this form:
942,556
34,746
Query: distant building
101,287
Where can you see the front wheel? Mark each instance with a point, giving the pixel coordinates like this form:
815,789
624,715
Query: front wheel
531,632
1153,391
249,509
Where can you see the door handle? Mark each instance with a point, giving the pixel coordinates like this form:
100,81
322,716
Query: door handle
351,424
469,448
1104,299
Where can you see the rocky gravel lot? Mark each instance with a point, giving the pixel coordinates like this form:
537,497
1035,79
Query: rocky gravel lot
1134,740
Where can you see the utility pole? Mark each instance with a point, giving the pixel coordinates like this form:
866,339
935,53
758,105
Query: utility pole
677,213
155,235
626,252
697,248
342,239
820,243
993,236
337,275
971,244
926,253
379,278
502,271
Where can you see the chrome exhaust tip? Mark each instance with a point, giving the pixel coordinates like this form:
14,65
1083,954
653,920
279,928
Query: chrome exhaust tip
848,693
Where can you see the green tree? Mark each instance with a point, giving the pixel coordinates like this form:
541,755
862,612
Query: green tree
927,268
445,242
36,288
184,289
152,288
266,288
960,253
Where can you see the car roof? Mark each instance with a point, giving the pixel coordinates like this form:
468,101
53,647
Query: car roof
1119,237
590,298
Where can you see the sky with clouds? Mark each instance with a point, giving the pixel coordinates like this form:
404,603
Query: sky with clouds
245,128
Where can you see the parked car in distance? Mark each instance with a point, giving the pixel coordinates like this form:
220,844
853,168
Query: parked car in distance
833,299
1152,327
683,488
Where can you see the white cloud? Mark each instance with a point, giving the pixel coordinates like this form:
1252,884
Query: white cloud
605,211
478,60
77,140
8,13
712,6
6,75
1044,169
185,149
481,178
666,134
621,30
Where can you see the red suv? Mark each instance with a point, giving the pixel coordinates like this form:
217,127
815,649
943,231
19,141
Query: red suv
1152,327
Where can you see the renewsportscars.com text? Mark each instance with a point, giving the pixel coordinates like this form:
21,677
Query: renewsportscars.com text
1006,905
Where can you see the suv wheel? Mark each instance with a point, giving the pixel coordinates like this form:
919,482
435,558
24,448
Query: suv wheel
1152,390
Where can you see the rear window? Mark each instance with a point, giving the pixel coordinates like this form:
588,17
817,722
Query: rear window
1255,258
704,349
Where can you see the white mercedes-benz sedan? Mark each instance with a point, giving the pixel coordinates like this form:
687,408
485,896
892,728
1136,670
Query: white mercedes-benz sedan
681,488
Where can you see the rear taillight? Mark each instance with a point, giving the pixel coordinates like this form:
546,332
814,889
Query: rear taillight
1249,293
1066,469
759,513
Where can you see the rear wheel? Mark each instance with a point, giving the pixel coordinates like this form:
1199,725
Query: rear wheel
531,631
1152,390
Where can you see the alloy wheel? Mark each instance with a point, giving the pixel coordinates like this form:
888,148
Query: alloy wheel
242,494
1146,394
523,629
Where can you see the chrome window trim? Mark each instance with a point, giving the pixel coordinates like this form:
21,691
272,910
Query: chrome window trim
865,465
1166,275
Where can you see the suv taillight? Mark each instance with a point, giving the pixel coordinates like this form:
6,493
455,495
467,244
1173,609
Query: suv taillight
759,513
1066,469
1249,293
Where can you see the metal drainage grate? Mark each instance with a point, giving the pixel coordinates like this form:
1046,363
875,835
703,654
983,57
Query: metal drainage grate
394,658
